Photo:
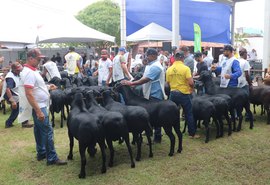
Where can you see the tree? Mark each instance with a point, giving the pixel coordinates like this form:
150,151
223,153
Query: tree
240,40
103,16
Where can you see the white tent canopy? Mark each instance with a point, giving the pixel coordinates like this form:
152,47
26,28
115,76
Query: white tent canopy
150,32
42,24
69,31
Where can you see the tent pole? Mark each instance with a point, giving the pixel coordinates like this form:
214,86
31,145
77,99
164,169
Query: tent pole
175,22
232,23
123,23
266,35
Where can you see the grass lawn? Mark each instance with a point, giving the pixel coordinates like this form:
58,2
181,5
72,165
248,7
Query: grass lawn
243,158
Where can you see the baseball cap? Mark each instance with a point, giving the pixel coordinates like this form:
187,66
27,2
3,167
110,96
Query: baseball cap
197,54
151,51
122,49
228,47
179,54
35,53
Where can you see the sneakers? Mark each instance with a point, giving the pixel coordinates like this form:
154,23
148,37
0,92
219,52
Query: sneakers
195,136
58,162
27,124
9,126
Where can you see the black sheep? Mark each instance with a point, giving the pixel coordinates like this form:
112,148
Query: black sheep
161,113
136,118
87,129
114,125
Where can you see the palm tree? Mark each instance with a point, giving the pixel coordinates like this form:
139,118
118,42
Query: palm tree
240,40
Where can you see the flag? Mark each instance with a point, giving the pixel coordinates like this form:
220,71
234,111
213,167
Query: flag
197,38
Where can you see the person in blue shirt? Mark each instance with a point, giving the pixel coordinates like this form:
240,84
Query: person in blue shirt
229,70
153,82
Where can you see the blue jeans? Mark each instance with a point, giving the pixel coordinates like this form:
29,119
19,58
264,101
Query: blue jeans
43,132
185,101
13,115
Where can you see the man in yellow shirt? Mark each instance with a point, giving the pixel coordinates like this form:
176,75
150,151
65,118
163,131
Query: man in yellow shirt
179,78
73,62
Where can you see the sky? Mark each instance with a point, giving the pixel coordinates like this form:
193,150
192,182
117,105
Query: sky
248,14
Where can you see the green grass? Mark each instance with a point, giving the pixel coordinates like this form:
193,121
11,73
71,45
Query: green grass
242,158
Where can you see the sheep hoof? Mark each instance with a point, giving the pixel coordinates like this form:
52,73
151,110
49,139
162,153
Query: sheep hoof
138,158
82,175
150,155
179,150
70,157
170,154
206,141
250,127
110,164
103,170
133,165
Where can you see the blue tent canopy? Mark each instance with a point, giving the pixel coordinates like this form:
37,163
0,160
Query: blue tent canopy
213,18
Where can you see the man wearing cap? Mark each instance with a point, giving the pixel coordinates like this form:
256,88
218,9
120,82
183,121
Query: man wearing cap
188,58
179,78
230,70
73,62
104,71
11,94
153,82
120,70
34,101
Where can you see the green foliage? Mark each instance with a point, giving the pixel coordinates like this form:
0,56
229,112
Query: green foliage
103,16
241,40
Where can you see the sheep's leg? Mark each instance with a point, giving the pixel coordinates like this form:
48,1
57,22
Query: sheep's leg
250,115
82,148
233,119
206,124
133,139
168,131
103,153
176,127
266,107
218,129
139,146
198,124
254,109
62,117
71,144
52,113
185,127
148,135
262,110
67,109
229,123
239,113
110,146
126,138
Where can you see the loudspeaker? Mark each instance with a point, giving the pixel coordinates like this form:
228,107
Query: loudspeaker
166,46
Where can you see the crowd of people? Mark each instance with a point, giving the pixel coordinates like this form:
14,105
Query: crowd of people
24,87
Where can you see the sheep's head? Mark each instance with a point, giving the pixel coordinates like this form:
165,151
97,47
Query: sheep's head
205,76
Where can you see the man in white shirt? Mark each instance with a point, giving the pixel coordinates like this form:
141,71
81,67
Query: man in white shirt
120,70
50,70
244,80
104,71
34,101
